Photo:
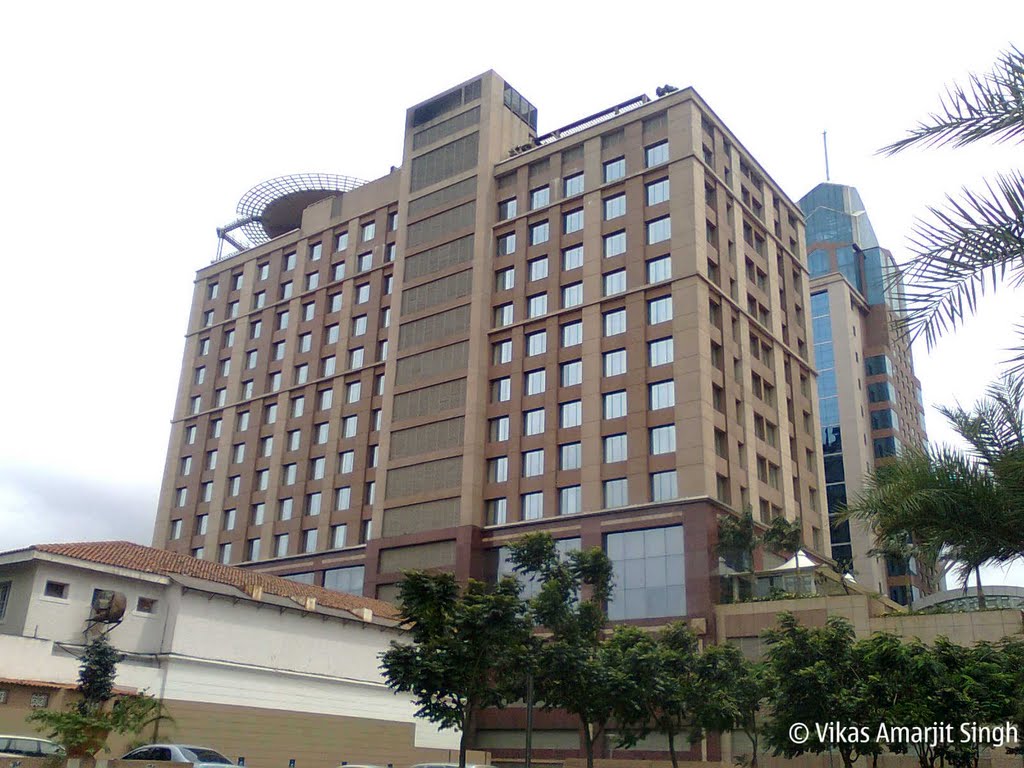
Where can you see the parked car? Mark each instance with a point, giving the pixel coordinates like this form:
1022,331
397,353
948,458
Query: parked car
451,765
28,746
200,757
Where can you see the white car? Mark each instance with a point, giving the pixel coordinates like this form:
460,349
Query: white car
28,746
200,757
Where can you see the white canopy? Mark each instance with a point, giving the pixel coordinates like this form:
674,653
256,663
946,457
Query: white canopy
800,560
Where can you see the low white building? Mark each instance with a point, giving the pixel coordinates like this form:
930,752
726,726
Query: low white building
253,665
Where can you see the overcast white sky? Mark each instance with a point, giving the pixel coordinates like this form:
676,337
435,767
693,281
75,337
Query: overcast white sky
130,130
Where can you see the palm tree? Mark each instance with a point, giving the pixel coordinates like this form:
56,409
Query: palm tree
966,506
976,240
785,536
737,540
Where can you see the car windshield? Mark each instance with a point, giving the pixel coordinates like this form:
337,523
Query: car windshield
203,755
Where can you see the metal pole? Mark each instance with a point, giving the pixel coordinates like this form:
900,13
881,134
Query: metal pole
824,140
529,718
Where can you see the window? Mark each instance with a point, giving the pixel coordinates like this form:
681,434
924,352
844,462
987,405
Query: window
663,439
656,154
614,207
539,233
228,520
497,511
571,373
56,589
224,553
503,315
505,279
289,474
298,406
535,382
393,221
614,362
533,422
284,509
385,317
281,545
282,320
533,505
180,497
647,568
614,244
362,293
536,343
355,358
659,230
507,244
263,271
662,395
212,290
343,498
336,302
615,448
657,192
288,262
501,352
614,404
200,375
573,185
507,209
540,197
368,231
142,605
616,493
570,414
533,463
538,268
572,258
338,534
207,491
570,456
39,701
659,269
659,352
190,435
353,391
499,429
501,390
253,550
301,373
309,540
659,310
204,347
312,282
341,241
537,305
349,426
570,500
572,295
196,404
614,282
572,334
497,469
317,467
287,290
664,486
326,399
364,261
262,479
614,169
358,326
572,221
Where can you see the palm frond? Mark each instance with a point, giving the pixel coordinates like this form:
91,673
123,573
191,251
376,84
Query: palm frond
964,249
1016,362
990,105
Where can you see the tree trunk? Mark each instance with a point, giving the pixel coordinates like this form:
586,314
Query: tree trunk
467,733
588,745
753,575
981,592
753,748
847,755
672,749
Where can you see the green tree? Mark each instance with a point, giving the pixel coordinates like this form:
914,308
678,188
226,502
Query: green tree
572,673
83,727
785,536
731,693
737,540
977,239
967,506
663,674
815,679
467,652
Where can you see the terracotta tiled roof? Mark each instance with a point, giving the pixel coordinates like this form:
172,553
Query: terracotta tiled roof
125,554
63,686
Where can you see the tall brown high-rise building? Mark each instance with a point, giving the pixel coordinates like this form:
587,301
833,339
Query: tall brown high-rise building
601,332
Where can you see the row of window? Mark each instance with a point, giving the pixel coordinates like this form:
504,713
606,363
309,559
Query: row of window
573,185
663,486
614,283
657,231
281,544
